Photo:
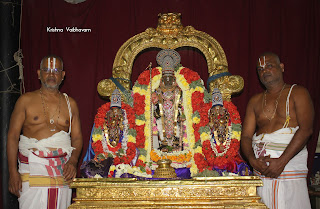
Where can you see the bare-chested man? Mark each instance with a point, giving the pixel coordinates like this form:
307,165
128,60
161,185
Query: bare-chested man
50,144
276,128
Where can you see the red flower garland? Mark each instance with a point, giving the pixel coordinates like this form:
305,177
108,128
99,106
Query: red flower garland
234,114
138,104
126,159
202,164
140,138
144,77
97,147
189,75
203,109
99,119
226,161
209,159
198,97
131,147
140,163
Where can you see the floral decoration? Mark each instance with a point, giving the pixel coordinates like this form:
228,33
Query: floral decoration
196,112
125,151
228,161
198,154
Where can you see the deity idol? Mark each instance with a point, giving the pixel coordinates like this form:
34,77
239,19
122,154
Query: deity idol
219,122
222,150
169,128
112,139
171,106
113,127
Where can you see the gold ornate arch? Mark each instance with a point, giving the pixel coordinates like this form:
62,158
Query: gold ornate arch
170,33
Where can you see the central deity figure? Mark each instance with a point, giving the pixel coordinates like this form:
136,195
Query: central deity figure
168,112
167,100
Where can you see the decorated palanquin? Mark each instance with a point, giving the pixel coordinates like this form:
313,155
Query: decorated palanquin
167,141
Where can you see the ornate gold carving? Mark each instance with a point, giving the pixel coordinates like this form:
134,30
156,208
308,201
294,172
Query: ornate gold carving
228,85
169,23
106,87
235,192
170,33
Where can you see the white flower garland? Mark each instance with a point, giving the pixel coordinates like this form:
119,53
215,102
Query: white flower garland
125,168
227,145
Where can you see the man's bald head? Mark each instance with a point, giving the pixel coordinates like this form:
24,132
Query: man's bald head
271,54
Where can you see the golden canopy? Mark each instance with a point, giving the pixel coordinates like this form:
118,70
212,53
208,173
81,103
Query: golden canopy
170,34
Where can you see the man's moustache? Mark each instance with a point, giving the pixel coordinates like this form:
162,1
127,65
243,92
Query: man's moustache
51,79
266,75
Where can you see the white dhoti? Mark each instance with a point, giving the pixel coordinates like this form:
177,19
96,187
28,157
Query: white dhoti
43,185
289,190
44,198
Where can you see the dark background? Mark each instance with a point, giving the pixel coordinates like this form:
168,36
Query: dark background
244,29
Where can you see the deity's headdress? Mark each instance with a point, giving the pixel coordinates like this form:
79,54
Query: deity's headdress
216,98
115,98
168,59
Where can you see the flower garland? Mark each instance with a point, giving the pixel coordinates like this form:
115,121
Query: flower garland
125,151
198,154
179,157
196,114
214,158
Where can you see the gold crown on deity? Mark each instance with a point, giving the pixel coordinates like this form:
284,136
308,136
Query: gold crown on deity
115,98
216,98
168,59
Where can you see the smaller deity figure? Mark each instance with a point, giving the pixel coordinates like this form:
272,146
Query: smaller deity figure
109,143
168,109
222,151
219,121
113,126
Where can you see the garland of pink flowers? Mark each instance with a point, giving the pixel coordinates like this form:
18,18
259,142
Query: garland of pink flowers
97,143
